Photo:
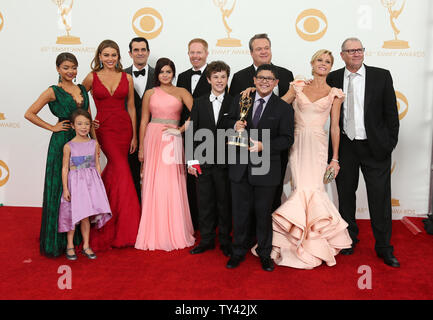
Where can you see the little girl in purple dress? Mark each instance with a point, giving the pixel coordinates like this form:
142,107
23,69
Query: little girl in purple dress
84,199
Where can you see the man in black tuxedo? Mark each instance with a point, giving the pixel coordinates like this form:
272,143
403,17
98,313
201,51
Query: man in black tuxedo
194,80
142,75
270,126
207,117
261,53
370,124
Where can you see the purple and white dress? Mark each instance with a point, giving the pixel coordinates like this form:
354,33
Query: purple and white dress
88,196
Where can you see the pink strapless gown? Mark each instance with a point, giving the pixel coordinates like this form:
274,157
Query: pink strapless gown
165,220
308,228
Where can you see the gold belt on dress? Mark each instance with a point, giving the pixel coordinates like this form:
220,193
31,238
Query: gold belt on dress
165,121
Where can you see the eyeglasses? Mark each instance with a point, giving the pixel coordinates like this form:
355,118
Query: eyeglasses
352,51
267,79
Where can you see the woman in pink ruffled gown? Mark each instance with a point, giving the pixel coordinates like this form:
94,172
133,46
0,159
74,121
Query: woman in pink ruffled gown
165,219
308,228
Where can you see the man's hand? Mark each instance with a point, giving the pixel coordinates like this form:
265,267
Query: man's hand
256,147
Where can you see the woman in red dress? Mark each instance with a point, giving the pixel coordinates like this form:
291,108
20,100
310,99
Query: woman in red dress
116,134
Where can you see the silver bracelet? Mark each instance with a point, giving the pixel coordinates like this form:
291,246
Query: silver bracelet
335,160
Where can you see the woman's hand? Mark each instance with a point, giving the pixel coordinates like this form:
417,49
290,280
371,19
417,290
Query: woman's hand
140,155
133,146
64,125
334,164
96,124
172,131
247,92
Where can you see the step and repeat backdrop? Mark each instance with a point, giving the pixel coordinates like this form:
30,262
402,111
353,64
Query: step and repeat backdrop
395,34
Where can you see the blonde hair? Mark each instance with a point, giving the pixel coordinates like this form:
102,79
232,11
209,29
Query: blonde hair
199,40
318,54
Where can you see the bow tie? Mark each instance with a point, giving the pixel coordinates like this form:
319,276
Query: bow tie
198,72
142,72
213,98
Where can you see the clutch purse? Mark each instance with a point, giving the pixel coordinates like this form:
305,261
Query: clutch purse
329,175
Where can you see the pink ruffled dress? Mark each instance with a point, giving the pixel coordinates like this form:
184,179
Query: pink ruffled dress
308,228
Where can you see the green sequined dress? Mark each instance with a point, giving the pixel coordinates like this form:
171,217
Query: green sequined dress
52,243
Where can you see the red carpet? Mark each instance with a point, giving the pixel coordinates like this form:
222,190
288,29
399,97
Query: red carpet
133,274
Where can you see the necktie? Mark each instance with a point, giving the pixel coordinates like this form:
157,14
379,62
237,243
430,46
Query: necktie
141,72
198,72
350,116
258,113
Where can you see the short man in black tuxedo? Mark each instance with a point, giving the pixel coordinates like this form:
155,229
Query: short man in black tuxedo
194,80
214,205
370,124
270,125
261,53
142,75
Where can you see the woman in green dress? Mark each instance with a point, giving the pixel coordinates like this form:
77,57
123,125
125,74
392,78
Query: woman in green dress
63,99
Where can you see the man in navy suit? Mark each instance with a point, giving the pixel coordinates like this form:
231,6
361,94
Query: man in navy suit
370,124
270,126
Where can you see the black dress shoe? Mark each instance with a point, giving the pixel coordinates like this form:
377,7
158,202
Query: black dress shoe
202,248
389,259
234,261
347,251
267,264
226,249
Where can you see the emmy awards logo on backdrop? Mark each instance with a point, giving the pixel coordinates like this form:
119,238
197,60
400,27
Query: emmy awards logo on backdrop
64,12
393,15
226,42
4,173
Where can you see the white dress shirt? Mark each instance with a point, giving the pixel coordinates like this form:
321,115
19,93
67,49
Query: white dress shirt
140,81
195,78
359,92
216,104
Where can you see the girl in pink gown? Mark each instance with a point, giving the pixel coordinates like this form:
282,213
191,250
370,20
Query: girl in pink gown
308,228
165,220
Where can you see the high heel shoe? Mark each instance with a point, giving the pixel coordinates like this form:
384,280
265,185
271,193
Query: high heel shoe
71,256
88,255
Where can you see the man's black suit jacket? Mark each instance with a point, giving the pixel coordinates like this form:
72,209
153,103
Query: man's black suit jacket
202,117
137,99
184,81
278,118
380,109
244,79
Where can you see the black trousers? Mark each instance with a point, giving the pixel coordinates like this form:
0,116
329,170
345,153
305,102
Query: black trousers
135,166
214,205
252,203
353,156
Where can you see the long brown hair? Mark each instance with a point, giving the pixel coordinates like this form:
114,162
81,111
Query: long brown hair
96,62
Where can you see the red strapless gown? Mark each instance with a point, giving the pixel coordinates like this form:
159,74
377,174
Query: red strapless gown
114,135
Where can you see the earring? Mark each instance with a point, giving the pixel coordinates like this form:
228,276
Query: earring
117,65
101,65
60,78
75,79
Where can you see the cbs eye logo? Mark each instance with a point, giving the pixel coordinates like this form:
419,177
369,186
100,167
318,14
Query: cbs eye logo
147,22
402,109
311,24
2,21
4,173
